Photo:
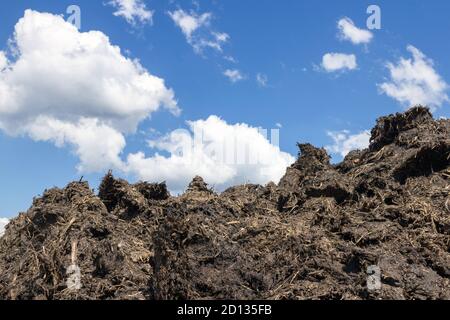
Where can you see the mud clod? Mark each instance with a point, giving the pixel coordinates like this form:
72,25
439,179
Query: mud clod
318,234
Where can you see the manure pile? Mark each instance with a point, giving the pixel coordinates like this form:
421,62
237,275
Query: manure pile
315,235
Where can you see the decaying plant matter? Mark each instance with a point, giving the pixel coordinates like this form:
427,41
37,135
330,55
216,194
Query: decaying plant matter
312,236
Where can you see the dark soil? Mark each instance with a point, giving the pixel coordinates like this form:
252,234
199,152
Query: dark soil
313,236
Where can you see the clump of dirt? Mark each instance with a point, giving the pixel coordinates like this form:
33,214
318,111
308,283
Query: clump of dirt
324,232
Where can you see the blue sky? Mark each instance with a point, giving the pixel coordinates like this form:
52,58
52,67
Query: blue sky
282,41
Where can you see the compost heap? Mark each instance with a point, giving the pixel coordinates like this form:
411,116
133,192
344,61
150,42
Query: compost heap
315,235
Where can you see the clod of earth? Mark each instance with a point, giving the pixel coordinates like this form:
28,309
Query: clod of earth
315,235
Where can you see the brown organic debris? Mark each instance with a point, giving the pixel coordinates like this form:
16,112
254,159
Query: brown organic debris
312,236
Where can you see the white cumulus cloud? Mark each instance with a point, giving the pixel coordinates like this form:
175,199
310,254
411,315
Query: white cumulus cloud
415,81
97,145
344,142
348,31
75,88
197,30
332,62
233,75
133,11
223,154
3,223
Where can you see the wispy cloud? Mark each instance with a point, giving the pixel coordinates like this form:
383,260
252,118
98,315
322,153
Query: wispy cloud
262,80
133,11
189,23
233,75
198,31
230,59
